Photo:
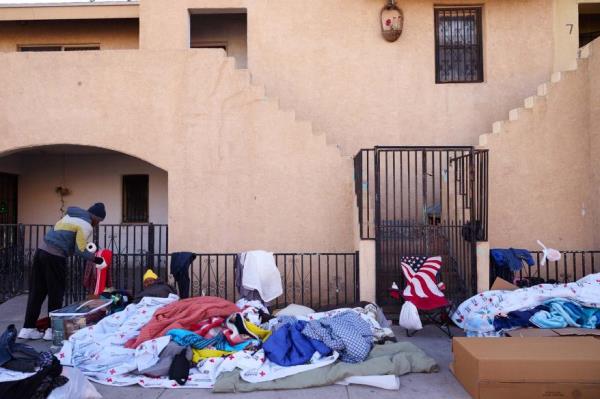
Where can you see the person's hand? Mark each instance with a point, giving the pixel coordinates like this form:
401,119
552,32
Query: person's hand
100,263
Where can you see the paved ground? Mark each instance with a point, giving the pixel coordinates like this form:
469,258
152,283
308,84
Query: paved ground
413,386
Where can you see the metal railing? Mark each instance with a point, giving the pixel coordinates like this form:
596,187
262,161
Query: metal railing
471,189
572,266
424,201
364,187
131,243
316,280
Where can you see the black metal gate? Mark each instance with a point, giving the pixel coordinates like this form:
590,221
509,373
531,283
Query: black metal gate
11,280
429,201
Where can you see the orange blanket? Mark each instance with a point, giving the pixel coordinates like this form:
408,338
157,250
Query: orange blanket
183,314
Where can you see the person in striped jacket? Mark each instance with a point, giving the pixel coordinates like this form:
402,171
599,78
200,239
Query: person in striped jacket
69,236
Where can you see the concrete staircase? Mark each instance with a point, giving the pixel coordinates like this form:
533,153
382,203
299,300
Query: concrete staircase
302,129
543,91
541,163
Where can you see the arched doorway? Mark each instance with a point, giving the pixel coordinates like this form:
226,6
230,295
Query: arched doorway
37,185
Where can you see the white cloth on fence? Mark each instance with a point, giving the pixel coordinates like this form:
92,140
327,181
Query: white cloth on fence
261,274
476,314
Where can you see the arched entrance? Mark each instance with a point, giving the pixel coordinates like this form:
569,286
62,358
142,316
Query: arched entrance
38,184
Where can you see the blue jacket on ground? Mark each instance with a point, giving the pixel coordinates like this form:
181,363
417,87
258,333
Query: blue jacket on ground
71,234
289,347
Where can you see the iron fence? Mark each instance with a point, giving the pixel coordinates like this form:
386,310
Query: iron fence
364,187
423,201
316,280
132,244
469,169
572,266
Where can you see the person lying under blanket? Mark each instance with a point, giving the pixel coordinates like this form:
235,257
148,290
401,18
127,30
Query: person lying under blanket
154,287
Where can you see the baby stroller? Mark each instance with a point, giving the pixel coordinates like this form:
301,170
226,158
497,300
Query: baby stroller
423,296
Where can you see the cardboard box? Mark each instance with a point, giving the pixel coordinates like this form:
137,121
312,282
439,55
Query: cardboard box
503,285
528,368
557,332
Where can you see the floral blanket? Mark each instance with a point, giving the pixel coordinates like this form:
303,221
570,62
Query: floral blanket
476,314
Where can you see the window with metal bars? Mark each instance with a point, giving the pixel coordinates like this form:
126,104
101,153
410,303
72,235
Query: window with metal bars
58,47
135,198
458,45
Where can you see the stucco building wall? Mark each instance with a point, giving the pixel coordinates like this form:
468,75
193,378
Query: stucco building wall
90,178
328,62
543,172
594,125
242,173
111,34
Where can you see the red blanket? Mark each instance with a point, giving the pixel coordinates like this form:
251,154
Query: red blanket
183,314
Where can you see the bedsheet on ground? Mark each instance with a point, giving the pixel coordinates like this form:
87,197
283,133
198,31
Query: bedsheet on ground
251,367
100,348
389,359
476,314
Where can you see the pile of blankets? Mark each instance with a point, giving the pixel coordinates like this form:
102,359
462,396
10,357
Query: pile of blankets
492,313
209,342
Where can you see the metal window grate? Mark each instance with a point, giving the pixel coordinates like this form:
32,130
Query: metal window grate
458,45
135,199
58,47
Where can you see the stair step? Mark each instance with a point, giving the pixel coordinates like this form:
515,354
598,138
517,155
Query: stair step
530,102
513,114
497,126
584,52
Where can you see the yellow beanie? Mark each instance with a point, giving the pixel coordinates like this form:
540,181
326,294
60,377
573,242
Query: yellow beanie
150,274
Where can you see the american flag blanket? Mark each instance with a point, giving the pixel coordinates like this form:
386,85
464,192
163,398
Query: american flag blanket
422,288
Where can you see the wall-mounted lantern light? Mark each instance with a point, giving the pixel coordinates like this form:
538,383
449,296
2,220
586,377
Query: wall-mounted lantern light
392,21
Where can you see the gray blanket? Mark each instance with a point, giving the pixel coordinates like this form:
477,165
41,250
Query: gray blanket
389,359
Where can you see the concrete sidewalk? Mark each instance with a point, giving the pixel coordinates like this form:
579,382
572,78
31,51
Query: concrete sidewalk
412,386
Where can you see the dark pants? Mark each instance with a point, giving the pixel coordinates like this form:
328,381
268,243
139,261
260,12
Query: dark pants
48,277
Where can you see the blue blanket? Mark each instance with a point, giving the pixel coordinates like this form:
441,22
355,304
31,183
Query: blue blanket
566,313
289,347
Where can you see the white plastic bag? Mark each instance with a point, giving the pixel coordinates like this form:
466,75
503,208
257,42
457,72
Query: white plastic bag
409,317
548,253
77,387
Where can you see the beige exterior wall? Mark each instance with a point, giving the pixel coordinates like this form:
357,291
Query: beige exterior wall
543,172
242,173
64,12
328,62
110,34
594,146
90,177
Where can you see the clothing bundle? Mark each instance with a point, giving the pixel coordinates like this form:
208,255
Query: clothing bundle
492,313
199,342
44,370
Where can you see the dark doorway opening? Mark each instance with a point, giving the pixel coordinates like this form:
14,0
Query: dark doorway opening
589,22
